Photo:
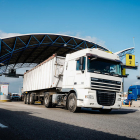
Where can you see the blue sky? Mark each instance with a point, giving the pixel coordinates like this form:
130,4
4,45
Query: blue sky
110,23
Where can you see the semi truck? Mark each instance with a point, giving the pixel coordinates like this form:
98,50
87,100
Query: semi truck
88,78
134,93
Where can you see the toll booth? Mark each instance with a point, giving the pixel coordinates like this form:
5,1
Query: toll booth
4,88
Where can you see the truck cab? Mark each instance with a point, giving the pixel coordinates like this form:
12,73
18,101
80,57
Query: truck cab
134,92
95,77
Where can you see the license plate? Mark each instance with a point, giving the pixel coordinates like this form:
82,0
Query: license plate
37,102
106,107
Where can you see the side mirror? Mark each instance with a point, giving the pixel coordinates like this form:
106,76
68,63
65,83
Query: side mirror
81,63
81,60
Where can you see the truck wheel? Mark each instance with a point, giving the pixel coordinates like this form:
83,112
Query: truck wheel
31,99
72,103
47,101
105,111
28,98
25,99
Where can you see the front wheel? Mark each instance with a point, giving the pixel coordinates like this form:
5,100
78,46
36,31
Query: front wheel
105,111
72,103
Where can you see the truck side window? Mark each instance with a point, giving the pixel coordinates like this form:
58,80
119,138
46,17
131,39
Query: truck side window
78,64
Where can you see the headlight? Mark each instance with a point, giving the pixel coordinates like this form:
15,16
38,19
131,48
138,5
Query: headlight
89,96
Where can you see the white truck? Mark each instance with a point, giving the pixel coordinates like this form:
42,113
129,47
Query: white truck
89,78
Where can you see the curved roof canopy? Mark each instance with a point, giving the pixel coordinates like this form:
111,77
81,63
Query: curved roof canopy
26,50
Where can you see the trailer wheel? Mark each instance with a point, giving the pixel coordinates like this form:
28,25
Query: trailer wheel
31,99
47,101
28,98
105,111
25,99
72,103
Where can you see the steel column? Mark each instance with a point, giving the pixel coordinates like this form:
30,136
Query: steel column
12,52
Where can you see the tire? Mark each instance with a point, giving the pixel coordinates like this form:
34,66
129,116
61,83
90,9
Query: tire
31,99
72,103
47,101
25,99
105,111
28,98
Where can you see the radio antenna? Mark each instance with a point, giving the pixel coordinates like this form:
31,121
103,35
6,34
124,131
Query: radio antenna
134,44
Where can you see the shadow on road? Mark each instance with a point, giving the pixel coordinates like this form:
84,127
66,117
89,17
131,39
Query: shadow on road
113,112
22,125
96,111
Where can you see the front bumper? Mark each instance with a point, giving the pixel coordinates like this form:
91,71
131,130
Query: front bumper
92,103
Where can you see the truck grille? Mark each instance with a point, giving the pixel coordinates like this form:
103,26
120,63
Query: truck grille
104,84
106,98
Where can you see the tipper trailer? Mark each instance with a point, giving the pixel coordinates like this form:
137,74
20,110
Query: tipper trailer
89,78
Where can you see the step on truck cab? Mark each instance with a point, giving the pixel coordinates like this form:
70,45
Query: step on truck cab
89,78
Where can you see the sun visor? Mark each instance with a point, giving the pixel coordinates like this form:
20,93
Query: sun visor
96,56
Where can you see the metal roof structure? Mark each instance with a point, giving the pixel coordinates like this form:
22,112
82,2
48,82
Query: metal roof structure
31,49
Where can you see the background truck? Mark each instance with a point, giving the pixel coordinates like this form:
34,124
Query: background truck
134,93
89,78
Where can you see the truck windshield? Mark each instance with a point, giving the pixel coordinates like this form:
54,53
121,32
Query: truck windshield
129,91
103,66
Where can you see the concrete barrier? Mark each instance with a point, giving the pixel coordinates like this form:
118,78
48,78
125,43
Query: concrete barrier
5,98
135,103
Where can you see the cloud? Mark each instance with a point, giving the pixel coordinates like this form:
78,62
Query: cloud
7,35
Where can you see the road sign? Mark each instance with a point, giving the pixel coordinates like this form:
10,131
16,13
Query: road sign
130,60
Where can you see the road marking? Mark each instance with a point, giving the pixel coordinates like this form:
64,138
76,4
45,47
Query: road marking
3,126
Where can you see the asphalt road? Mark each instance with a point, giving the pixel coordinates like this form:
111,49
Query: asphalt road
35,122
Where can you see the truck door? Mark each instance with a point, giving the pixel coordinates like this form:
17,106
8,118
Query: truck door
79,74
70,73
132,93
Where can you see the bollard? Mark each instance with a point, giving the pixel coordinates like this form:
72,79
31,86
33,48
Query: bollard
129,104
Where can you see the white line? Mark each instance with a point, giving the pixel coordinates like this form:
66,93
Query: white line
3,126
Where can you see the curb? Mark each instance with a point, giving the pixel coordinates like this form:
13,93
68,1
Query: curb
125,105
5,100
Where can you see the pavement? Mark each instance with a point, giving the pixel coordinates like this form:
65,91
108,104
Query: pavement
22,121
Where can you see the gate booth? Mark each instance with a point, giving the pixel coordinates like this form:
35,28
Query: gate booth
4,90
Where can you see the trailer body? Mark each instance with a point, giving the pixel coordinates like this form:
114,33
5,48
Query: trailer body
46,75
